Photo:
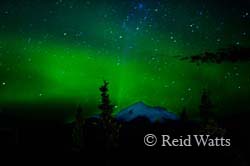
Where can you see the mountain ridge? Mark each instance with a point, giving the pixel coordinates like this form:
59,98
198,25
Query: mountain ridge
141,110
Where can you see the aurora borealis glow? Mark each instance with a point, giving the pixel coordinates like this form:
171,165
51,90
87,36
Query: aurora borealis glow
52,50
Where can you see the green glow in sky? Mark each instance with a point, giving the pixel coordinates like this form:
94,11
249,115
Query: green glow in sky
63,50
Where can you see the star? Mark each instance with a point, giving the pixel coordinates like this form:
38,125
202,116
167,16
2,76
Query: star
140,5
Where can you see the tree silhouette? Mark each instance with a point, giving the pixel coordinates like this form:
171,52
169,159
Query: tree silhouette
110,125
205,106
106,107
78,134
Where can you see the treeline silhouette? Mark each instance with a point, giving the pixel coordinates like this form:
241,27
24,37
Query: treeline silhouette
115,140
121,143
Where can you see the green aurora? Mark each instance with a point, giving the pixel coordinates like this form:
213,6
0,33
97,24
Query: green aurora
62,51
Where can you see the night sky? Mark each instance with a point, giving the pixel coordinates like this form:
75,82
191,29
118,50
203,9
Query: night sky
63,50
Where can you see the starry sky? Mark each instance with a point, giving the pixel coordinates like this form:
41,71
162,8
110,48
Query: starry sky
62,50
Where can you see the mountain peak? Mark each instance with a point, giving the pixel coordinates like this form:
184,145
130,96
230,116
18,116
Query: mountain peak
140,109
138,104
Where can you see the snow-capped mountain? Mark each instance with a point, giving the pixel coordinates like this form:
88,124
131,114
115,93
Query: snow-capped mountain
140,110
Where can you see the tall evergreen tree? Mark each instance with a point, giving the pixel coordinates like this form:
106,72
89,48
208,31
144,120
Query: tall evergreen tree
78,132
106,107
110,125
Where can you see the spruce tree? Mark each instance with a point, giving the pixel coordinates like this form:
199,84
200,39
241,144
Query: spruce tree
78,135
106,107
110,125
